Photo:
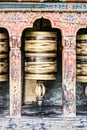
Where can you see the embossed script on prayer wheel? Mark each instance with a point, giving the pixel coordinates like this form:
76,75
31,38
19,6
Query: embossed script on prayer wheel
81,58
3,56
41,55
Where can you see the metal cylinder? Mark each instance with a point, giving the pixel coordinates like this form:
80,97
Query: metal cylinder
3,56
81,58
41,55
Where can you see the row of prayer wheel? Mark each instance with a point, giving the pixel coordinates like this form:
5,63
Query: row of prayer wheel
81,58
3,56
40,55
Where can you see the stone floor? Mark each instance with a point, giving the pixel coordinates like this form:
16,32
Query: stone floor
50,119
42,123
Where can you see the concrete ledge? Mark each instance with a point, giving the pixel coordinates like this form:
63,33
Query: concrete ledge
40,123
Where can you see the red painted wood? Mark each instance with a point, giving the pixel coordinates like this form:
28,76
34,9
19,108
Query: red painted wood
68,23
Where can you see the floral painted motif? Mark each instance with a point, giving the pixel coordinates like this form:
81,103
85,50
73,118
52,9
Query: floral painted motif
70,18
15,17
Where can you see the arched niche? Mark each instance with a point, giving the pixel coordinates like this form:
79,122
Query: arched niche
81,67
53,96
4,69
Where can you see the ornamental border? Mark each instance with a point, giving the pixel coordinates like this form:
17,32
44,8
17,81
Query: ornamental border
14,6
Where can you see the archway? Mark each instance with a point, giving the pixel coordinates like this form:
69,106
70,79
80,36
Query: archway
53,95
4,69
81,67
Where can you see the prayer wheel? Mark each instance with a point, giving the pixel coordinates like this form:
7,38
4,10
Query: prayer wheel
81,58
3,56
40,55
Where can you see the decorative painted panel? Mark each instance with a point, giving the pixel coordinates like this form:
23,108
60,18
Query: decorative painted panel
15,76
68,23
69,82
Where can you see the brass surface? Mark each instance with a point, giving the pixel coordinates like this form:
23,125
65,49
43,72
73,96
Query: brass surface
3,77
41,55
41,33
82,37
3,36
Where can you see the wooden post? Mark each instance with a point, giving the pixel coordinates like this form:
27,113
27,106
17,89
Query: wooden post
69,77
15,76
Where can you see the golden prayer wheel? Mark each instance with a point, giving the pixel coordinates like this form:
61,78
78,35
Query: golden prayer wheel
40,55
3,56
81,58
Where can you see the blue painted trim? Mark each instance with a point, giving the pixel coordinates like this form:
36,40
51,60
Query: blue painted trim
13,6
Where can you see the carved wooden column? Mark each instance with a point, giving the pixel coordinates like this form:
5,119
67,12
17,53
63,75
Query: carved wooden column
69,76
15,76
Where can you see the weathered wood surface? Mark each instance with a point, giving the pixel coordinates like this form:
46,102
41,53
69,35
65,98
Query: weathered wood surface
15,77
69,78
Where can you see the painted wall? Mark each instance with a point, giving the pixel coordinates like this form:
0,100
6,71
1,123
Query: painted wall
68,23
